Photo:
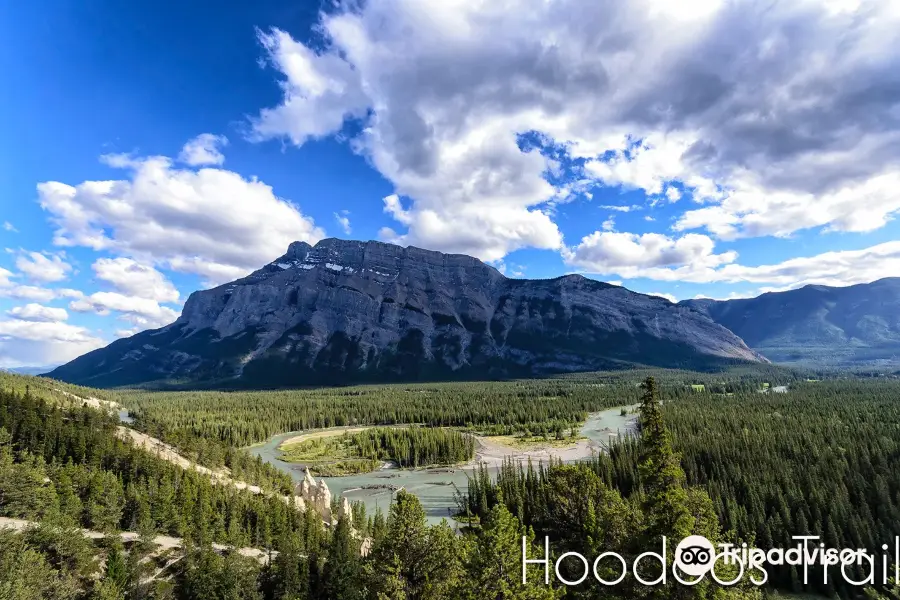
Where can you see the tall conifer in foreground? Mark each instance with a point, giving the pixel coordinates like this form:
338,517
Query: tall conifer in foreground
665,499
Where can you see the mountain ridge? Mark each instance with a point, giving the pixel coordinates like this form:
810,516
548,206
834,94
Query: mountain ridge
817,324
348,311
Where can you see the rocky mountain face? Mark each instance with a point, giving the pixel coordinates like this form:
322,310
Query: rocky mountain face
817,325
346,311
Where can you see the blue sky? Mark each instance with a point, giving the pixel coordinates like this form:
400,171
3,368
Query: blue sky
715,149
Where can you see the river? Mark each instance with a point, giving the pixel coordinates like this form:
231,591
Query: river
436,487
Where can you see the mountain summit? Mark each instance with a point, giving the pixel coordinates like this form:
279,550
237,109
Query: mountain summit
346,311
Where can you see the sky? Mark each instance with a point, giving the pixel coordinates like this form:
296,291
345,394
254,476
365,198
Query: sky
713,148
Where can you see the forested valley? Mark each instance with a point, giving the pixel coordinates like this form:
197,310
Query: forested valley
716,456
820,460
540,406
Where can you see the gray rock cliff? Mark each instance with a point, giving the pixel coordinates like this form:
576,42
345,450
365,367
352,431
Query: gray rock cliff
346,311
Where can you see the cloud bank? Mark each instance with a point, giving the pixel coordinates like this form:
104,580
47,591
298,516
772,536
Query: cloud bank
766,118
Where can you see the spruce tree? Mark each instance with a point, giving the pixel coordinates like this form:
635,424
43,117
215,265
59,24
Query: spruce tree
116,567
289,571
341,577
665,500
424,563
665,503
495,565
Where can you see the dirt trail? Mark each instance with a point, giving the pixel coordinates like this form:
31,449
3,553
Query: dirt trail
97,403
217,476
164,542
169,453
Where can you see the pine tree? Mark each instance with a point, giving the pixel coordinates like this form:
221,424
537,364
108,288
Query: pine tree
200,577
495,566
24,492
290,570
25,573
116,577
70,505
238,577
341,576
442,565
106,589
390,583
105,501
378,527
665,500
424,562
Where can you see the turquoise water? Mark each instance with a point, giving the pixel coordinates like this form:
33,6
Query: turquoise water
435,488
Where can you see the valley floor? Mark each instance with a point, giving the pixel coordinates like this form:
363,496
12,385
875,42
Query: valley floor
491,451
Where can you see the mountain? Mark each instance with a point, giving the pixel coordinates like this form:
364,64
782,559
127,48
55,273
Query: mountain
346,311
827,326
27,370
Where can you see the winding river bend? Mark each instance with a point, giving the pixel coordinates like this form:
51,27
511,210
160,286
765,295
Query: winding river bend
436,488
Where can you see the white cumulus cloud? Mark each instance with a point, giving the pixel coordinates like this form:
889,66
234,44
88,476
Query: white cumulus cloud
28,292
750,209
630,255
320,91
38,312
670,297
211,222
40,343
691,258
132,278
343,220
204,150
149,312
43,267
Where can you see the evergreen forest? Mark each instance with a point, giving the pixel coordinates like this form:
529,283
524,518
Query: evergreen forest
717,454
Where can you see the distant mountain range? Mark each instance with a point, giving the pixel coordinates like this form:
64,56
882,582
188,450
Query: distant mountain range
346,311
817,325
27,370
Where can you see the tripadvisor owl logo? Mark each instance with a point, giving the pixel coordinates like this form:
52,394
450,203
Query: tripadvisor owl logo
694,556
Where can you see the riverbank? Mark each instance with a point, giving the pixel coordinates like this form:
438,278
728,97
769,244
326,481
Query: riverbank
493,452
598,430
437,487
324,433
